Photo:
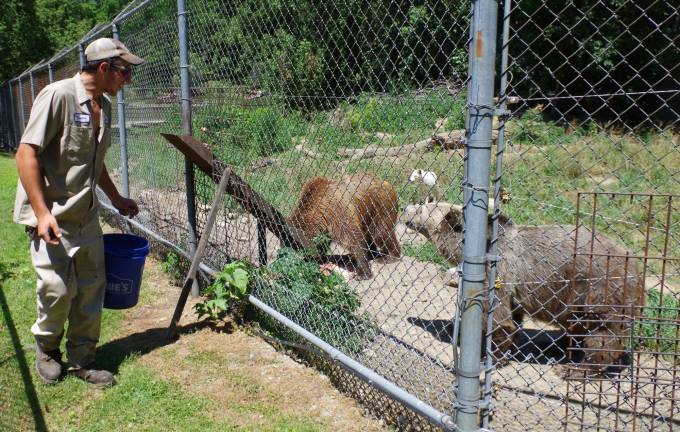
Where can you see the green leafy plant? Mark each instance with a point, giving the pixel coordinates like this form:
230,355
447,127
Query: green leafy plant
229,287
320,302
321,246
172,265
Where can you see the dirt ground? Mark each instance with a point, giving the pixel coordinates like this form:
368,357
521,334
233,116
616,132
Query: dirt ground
223,364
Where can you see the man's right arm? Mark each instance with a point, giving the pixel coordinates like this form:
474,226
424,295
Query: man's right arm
28,166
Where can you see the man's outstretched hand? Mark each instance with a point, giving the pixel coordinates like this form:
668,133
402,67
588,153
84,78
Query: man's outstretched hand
126,206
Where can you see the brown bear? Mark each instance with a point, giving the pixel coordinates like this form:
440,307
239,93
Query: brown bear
357,211
591,294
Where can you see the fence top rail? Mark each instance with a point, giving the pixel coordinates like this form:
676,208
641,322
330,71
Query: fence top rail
128,11
44,63
61,54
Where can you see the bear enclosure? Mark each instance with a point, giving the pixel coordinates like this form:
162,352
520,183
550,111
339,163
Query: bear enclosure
522,157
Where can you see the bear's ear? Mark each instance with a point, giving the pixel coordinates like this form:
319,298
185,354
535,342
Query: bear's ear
454,218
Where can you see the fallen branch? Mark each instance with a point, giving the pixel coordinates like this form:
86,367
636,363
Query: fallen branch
307,152
447,140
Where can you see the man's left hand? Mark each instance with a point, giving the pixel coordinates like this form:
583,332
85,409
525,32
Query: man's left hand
126,206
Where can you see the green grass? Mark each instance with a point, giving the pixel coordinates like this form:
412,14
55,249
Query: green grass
426,252
658,329
140,401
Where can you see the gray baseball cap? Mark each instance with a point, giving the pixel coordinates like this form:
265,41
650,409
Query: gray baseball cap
105,48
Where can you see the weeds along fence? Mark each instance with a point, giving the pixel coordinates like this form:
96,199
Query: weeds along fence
553,306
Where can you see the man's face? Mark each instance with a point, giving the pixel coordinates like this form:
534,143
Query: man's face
118,74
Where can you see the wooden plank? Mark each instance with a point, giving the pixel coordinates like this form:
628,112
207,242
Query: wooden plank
264,212
196,151
250,200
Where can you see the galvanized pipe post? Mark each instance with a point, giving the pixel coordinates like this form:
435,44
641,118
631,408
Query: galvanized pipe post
122,132
32,81
4,113
22,115
50,72
186,126
493,247
81,54
478,143
13,115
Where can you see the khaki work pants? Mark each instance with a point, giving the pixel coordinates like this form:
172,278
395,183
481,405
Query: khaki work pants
71,283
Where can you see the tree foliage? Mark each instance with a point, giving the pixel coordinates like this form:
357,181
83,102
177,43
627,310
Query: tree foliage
23,42
33,30
582,48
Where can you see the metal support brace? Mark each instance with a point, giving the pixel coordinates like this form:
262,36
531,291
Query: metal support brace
191,274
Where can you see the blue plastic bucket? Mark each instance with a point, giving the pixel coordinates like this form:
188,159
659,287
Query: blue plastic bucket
124,255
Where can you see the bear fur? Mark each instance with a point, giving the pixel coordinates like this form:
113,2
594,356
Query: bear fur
591,299
357,211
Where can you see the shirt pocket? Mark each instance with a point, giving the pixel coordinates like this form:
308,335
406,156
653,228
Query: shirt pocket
79,141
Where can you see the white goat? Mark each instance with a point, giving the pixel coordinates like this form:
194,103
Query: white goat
427,182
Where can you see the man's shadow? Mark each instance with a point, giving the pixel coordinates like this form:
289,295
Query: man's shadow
112,354
19,356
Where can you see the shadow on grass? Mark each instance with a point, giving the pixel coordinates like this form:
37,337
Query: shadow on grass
112,354
29,388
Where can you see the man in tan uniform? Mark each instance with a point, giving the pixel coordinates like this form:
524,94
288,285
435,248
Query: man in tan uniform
60,162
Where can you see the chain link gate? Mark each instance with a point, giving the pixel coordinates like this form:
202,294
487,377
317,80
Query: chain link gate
580,318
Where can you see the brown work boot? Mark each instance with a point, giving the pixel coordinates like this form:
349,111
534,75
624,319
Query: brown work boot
48,364
98,378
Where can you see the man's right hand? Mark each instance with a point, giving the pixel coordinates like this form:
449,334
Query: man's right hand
48,229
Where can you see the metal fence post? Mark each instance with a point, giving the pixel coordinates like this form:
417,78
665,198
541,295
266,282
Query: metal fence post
478,142
13,116
22,115
186,125
30,77
122,132
81,53
493,247
4,126
50,72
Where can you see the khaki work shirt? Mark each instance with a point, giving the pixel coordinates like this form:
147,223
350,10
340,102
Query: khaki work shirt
70,158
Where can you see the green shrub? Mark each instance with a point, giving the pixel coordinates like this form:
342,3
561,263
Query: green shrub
172,265
321,303
229,288
405,113
531,128
239,135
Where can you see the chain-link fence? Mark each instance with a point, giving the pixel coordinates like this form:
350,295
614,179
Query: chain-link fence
380,129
